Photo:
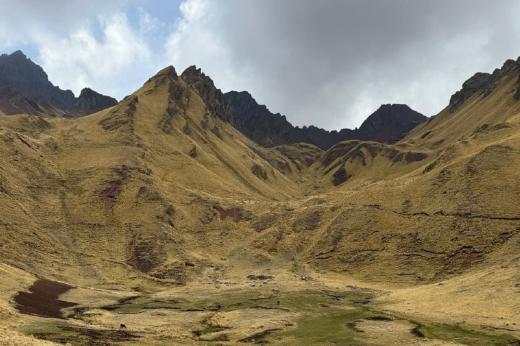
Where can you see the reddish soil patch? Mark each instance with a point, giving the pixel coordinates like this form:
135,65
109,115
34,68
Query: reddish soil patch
42,299
232,213
309,160
463,258
109,195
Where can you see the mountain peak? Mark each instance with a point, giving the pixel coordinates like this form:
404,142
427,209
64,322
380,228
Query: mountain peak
86,92
193,75
21,74
193,71
92,101
204,86
18,54
390,123
392,106
167,73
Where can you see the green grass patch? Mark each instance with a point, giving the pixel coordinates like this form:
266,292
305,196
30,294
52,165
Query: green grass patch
465,336
232,300
64,333
327,327
326,317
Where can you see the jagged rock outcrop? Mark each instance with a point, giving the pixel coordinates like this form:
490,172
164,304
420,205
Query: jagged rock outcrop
389,123
259,124
18,73
479,82
483,84
212,96
167,73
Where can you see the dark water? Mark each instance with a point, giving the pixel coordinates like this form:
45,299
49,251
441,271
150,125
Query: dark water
42,299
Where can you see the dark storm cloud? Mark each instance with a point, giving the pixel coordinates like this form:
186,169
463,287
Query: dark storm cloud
332,62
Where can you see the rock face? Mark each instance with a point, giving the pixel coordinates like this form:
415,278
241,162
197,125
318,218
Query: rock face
205,87
325,139
18,73
478,82
389,123
259,124
12,102
484,83
90,101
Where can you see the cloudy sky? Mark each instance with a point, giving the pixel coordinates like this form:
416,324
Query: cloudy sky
329,62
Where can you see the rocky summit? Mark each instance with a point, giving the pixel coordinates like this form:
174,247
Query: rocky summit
389,124
185,216
21,75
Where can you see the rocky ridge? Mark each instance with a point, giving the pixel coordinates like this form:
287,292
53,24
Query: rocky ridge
483,83
389,124
20,74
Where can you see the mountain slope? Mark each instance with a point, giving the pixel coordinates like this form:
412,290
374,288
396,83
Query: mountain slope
158,163
167,148
259,124
486,103
20,74
158,200
12,102
443,198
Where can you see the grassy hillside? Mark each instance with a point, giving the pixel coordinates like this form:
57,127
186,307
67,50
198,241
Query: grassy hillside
159,196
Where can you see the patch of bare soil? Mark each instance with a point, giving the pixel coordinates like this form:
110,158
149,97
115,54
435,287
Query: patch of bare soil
232,213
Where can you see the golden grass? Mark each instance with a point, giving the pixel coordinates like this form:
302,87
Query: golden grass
158,197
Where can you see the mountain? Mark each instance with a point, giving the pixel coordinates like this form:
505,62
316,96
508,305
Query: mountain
12,102
19,74
389,123
156,221
259,124
207,90
90,101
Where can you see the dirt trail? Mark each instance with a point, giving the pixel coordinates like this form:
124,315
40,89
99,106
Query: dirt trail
42,299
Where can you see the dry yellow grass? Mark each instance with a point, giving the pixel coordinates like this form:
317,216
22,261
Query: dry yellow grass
159,197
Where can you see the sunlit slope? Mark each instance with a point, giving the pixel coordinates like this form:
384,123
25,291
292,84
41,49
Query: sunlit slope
160,192
441,202
129,189
162,187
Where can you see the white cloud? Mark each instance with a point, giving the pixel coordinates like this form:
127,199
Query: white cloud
25,21
83,43
107,63
191,43
148,23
